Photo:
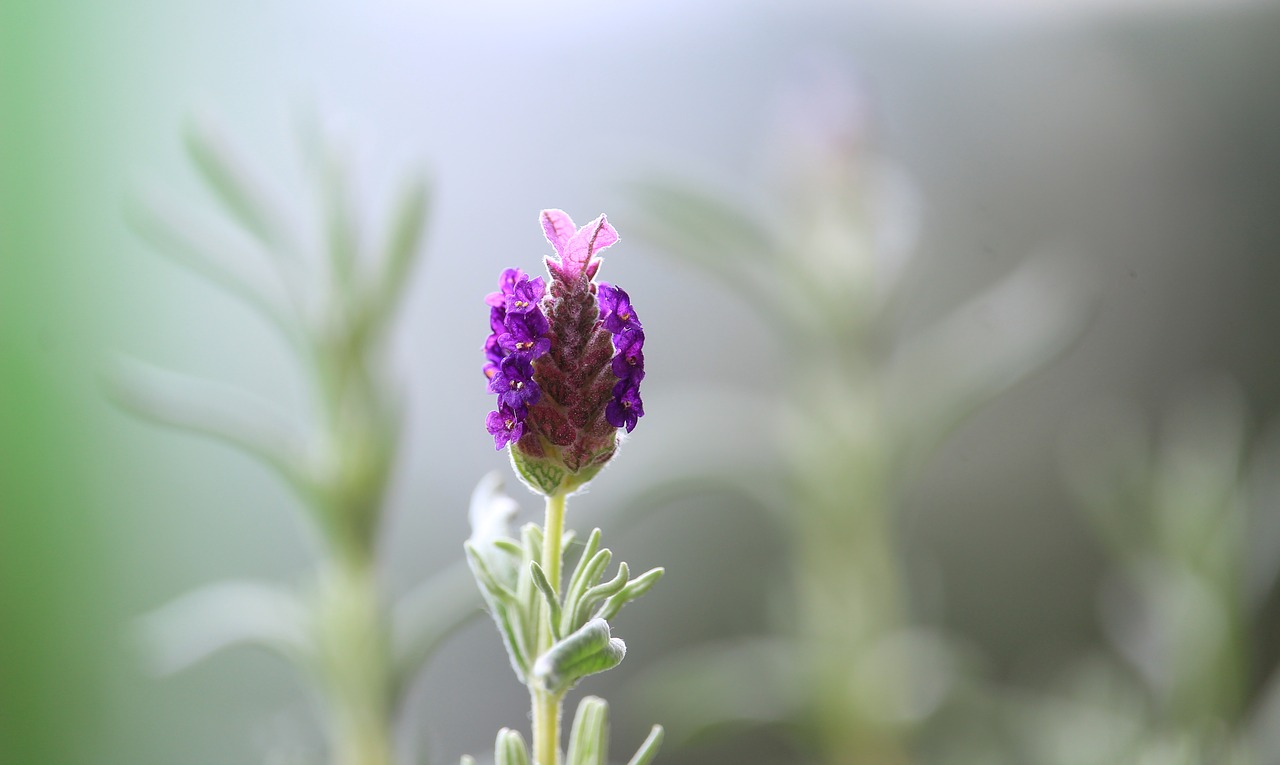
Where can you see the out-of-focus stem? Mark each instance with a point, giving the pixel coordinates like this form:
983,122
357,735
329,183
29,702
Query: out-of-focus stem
355,662
546,705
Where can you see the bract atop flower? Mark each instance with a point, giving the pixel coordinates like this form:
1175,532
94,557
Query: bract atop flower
575,247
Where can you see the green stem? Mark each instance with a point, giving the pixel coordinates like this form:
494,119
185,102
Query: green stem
354,662
546,705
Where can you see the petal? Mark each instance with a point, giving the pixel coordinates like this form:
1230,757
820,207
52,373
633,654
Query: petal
584,244
558,227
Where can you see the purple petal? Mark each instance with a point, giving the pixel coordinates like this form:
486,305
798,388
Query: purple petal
629,366
506,283
525,295
505,425
626,408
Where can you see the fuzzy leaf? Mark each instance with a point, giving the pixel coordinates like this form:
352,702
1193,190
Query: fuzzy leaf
589,738
548,595
634,589
220,616
589,549
649,749
585,652
590,575
510,748
598,593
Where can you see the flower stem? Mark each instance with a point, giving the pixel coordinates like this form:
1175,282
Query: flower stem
354,663
546,705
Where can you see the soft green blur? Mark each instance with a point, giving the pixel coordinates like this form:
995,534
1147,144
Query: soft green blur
53,575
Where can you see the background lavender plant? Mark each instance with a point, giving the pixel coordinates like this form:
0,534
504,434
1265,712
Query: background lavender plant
357,652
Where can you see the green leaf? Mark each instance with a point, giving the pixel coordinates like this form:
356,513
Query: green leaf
578,587
485,578
400,253
548,595
510,749
598,593
634,589
585,652
589,738
240,193
177,238
218,411
589,549
649,749
221,616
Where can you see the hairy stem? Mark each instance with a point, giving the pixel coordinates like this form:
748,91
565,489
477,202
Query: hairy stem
546,705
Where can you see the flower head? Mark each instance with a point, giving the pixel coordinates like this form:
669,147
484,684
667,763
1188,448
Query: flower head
565,359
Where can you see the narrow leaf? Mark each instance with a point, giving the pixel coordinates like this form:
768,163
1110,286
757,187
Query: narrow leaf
589,737
409,222
510,749
179,240
600,592
233,184
211,409
589,549
221,616
634,589
649,749
549,596
590,575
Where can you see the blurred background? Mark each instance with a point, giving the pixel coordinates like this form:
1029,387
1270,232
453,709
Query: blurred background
1069,203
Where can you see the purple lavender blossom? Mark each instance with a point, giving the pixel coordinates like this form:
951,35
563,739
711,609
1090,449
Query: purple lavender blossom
616,313
505,425
506,287
625,409
628,364
493,354
525,336
514,383
525,295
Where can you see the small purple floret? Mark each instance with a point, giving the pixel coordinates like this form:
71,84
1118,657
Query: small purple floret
525,295
625,409
616,313
514,383
628,364
506,286
505,425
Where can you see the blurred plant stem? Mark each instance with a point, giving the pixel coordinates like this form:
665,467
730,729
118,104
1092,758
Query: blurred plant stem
823,264
1190,522
360,652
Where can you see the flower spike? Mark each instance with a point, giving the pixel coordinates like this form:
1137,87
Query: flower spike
565,359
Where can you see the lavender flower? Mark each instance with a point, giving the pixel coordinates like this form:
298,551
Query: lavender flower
574,341
514,383
625,407
628,364
616,313
506,425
